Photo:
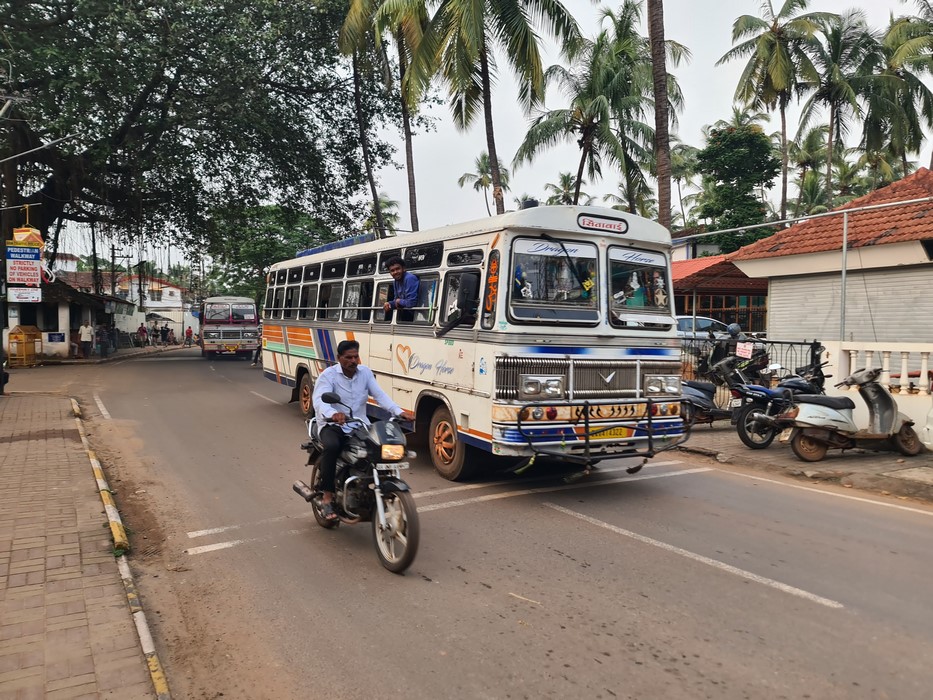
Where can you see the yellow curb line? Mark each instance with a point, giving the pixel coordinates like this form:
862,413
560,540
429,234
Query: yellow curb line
159,682
121,546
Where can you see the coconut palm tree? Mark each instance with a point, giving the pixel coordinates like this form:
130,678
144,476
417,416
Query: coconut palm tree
683,169
808,153
566,190
774,45
845,60
460,42
389,210
662,152
482,178
405,22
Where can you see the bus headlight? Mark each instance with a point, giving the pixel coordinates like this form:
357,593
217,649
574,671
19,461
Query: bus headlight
662,385
249,334
535,386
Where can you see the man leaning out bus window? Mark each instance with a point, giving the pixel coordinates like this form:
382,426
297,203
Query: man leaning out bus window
405,287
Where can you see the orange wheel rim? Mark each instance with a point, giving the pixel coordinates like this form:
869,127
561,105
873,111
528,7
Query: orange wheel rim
445,443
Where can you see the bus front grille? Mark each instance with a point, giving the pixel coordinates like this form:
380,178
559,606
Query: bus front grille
583,379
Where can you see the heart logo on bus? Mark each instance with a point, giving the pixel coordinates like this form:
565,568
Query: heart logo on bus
403,355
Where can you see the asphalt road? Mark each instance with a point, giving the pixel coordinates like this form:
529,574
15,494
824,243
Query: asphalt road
687,580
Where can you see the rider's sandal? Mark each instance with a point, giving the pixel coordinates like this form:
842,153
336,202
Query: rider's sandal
327,510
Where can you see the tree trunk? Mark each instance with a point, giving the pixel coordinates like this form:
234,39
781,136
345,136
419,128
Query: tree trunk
662,146
364,145
576,189
784,159
829,157
497,193
406,128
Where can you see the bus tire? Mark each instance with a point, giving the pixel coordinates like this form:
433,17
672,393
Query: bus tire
448,453
305,392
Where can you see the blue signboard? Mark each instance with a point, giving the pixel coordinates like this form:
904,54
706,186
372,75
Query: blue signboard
22,252
56,337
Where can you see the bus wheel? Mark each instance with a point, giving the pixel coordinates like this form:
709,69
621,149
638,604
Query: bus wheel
305,390
448,453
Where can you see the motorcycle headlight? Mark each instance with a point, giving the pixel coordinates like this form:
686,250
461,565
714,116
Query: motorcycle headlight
662,385
393,452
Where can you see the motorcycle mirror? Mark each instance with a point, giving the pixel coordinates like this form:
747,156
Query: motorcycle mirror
330,397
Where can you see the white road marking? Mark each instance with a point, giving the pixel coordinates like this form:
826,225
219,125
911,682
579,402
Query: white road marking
225,528
800,593
233,543
100,405
549,489
471,487
829,493
277,403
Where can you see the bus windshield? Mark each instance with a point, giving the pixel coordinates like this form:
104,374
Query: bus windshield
229,313
554,280
638,283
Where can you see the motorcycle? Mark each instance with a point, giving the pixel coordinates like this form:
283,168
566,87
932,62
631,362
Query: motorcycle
369,487
818,423
759,403
699,405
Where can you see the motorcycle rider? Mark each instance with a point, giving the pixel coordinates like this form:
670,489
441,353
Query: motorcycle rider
355,383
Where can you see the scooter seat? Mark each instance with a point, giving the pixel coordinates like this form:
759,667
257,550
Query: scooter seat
707,387
837,402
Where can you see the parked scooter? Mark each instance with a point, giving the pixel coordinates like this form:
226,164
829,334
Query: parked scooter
369,487
822,422
760,403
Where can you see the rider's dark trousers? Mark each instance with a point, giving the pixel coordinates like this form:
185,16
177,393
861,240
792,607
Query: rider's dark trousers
333,439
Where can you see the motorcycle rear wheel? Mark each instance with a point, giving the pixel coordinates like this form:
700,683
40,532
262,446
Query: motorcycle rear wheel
907,441
753,435
316,501
807,448
397,545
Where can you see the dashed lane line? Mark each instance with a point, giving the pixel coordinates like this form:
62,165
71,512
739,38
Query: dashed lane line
204,549
722,566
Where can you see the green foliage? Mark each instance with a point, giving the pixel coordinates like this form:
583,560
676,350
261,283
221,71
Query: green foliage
181,108
246,242
738,160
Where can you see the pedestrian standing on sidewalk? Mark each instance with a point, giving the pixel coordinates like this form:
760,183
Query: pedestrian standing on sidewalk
86,336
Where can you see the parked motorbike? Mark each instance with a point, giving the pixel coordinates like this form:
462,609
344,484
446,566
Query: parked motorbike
822,422
759,403
369,487
699,405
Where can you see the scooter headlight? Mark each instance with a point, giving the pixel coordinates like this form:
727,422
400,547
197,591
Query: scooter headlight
392,452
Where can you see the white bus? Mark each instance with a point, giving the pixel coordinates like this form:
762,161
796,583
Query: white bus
542,332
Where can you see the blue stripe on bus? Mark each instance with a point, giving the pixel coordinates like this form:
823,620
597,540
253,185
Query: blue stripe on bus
325,344
557,350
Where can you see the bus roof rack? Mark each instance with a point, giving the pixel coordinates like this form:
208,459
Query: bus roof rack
364,238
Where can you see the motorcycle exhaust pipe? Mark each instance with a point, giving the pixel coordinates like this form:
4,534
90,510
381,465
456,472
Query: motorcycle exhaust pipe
303,490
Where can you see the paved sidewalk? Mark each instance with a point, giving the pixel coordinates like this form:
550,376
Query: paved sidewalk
66,629
888,473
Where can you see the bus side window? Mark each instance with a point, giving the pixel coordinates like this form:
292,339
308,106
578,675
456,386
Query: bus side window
267,308
277,302
291,296
382,296
357,300
449,310
308,301
331,294
427,295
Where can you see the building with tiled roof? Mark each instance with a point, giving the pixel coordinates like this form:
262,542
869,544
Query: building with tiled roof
887,282
713,286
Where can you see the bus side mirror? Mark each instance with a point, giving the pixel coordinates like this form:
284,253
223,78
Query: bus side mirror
468,293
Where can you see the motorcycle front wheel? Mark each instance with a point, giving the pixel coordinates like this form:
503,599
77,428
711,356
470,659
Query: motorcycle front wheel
808,449
754,435
316,501
397,543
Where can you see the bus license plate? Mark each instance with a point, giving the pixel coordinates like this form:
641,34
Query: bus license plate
612,434
392,465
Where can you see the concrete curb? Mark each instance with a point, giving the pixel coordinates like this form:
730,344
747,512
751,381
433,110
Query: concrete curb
883,484
121,546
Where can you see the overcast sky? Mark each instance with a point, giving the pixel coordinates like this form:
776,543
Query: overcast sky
704,26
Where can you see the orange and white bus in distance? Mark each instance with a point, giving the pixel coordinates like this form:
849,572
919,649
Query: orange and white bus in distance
542,332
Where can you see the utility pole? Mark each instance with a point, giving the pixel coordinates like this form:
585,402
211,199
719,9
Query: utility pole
113,268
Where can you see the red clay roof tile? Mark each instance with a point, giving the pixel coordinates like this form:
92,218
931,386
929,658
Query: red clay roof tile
910,222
